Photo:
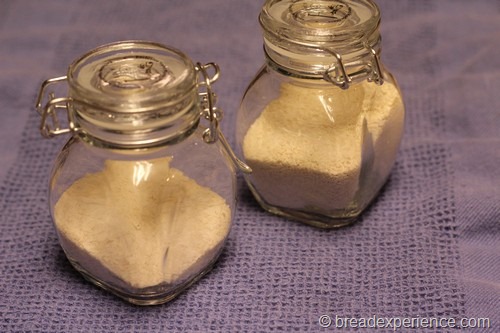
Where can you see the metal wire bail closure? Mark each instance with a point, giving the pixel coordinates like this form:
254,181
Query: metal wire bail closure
337,74
208,99
377,73
340,79
50,125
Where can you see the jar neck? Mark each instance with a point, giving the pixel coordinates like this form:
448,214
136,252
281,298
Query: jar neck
145,129
340,64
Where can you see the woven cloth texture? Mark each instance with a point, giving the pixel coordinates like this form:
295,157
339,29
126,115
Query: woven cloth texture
429,246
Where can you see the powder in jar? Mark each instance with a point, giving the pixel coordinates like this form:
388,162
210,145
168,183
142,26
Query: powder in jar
142,223
309,147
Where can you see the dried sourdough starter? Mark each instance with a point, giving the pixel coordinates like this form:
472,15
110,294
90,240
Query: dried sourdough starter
121,220
306,147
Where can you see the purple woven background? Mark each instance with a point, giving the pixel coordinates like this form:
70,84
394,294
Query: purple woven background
429,246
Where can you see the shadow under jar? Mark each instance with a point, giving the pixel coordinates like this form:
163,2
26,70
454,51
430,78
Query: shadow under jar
143,194
321,123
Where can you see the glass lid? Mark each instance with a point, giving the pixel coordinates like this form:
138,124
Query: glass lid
132,76
320,21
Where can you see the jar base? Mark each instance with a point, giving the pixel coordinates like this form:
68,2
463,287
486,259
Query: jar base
146,296
342,219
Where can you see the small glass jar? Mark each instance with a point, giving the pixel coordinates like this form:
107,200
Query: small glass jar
321,123
143,194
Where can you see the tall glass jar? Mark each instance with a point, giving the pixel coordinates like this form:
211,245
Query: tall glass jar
321,123
143,194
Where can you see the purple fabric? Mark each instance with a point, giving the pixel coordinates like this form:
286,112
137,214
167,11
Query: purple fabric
428,247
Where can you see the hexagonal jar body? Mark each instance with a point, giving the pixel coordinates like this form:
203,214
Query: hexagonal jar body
321,123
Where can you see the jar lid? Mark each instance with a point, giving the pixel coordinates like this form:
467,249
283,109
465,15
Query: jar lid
131,76
334,40
130,94
329,23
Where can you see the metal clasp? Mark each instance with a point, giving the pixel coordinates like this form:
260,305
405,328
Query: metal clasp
208,100
337,73
377,75
214,115
341,80
50,125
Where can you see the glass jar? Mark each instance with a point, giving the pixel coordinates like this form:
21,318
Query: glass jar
321,123
143,194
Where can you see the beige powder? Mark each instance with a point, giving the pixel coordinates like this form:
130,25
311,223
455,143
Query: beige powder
305,148
145,222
